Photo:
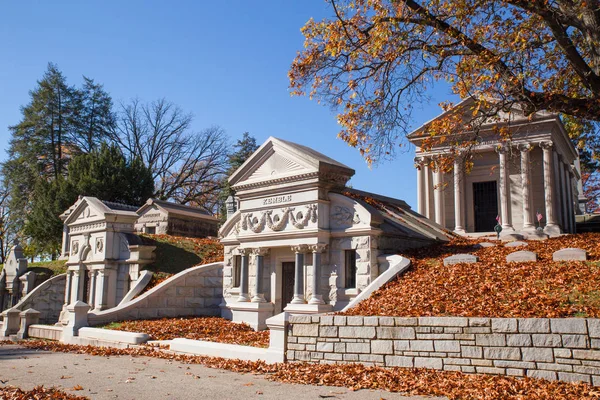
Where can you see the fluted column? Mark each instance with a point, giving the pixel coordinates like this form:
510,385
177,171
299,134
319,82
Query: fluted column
438,196
299,274
100,301
244,295
421,195
504,190
316,297
259,296
564,195
556,193
551,226
526,187
570,206
429,211
459,216
68,287
92,294
75,286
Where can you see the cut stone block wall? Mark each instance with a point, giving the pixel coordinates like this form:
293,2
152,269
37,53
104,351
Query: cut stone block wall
197,291
47,298
565,349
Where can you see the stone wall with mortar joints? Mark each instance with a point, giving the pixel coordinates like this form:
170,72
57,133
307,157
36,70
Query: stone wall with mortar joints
197,291
566,349
47,298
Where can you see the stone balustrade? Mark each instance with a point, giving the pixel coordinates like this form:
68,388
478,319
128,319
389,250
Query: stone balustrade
566,349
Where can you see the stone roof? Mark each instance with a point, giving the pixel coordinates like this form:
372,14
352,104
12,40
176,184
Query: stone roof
177,209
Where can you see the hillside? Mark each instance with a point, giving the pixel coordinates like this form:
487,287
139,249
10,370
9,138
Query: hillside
492,287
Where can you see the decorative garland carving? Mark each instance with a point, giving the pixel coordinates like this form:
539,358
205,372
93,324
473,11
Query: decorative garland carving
276,223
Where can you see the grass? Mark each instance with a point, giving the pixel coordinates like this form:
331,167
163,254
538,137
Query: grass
45,269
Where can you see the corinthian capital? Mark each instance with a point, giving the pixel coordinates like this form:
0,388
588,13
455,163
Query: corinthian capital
244,251
260,251
525,147
301,248
546,144
318,248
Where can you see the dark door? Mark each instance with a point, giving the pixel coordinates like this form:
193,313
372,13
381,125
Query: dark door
287,283
485,200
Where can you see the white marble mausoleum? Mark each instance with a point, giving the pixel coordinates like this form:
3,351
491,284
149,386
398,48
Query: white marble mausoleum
298,240
537,171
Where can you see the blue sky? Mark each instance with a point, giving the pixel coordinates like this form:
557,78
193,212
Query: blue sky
224,61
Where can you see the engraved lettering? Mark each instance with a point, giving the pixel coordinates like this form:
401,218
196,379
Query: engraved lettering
277,200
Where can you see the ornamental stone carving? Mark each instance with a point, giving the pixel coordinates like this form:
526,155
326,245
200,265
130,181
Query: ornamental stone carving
301,248
298,218
342,216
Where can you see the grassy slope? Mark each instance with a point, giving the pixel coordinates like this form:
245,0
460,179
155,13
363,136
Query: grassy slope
46,269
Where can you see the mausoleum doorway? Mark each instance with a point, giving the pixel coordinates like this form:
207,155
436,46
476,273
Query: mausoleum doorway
485,201
287,283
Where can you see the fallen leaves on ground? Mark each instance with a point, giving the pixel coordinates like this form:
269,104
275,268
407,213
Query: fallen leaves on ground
38,393
212,329
492,287
424,382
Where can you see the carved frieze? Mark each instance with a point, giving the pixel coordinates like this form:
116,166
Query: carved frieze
278,222
344,216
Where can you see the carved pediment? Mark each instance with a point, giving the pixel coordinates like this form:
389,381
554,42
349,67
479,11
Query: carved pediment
277,165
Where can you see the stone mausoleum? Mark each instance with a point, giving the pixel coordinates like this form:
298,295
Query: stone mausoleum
163,217
297,239
104,254
537,171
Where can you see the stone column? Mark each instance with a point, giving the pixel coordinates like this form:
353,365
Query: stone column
504,190
421,195
551,227
316,298
259,296
562,189
244,295
429,211
75,286
100,300
526,187
299,274
438,197
68,285
570,200
558,198
459,216
92,300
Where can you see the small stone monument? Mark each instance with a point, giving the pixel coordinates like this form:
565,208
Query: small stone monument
461,259
521,256
570,254
517,243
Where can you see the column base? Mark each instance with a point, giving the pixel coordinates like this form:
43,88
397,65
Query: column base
460,231
258,298
253,314
316,299
535,235
243,298
298,300
308,308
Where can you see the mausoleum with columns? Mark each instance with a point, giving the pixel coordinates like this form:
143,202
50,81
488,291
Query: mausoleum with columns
536,171
297,239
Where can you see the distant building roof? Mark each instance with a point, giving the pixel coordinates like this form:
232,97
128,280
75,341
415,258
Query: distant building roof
177,209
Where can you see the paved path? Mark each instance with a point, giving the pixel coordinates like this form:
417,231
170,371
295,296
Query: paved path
123,377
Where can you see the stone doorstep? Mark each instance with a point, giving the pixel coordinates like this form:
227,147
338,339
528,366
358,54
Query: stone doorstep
225,350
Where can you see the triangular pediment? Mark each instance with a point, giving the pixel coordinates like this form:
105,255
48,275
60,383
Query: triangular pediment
87,209
277,164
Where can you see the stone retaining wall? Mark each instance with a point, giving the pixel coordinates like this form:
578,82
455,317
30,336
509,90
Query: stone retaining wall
197,291
47,298
566,349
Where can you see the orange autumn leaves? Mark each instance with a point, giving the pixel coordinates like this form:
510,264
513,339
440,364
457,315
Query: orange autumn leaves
37,393
212,329
492,287
375,60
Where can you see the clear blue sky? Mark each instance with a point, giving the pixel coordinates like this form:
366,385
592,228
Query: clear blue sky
224,61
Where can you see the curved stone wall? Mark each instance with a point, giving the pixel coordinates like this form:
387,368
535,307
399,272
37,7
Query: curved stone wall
47,298
195,291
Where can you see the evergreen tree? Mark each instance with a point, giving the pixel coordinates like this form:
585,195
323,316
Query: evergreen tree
106,174
94,119
243,150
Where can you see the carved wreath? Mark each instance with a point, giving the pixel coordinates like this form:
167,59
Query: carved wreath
278,223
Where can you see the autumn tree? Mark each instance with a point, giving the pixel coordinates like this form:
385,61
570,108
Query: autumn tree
187,166
375,59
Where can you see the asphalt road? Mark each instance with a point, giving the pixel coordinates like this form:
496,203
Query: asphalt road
147,378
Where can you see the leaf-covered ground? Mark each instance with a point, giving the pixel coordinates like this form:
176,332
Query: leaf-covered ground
175,254
492,287
37,393
454,385
212,329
